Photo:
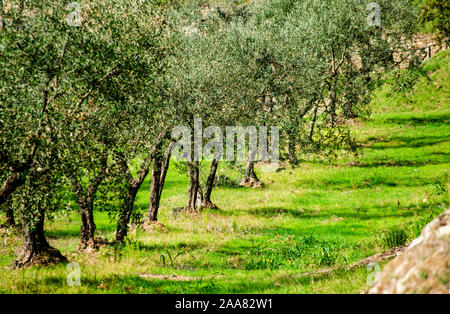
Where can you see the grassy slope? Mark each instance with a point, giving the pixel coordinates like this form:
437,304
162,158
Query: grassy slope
261,241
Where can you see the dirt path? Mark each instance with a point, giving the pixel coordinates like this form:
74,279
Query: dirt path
371,259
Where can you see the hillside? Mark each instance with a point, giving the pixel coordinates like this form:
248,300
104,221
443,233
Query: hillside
271,240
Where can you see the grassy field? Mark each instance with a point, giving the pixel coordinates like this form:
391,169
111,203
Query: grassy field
316,216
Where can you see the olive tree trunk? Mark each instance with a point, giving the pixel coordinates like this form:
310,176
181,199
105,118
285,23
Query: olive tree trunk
133,185
250,177
194,184
36,250
126,211
87,231
85,200
159,172
206,199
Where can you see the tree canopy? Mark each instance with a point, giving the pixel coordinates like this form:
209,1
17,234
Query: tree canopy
90,92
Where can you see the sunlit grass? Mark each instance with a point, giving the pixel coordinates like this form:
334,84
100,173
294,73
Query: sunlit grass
308,218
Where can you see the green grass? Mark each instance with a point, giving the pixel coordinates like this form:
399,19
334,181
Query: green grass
312,217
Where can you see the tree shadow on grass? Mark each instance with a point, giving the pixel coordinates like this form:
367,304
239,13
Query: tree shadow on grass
211,284
362,213
408,142
405,163
62,233
206,284
75,232
131,284
136,284
350,230
363,183
435,118
178,247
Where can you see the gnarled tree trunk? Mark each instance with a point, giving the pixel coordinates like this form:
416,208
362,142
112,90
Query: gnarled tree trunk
126,211
250,178
36,249
153,206
134,184
159,173
85,200
250,174
87,232
206,200
194,183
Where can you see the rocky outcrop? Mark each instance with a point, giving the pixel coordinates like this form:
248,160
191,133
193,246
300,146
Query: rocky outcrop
424,267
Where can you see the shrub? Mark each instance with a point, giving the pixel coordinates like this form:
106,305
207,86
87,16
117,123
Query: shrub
403,81
393,237
307,250
325,256
418,225
437,13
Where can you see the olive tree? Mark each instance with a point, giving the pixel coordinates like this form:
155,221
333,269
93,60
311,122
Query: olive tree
206,85
72,84
33,40
319,61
